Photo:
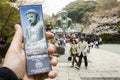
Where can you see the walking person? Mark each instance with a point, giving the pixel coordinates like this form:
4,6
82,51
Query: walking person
96,43
88,41
73,51
82,50
64,42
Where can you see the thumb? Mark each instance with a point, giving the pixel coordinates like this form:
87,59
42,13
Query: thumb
17,39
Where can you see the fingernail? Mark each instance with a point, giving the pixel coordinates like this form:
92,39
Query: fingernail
16,27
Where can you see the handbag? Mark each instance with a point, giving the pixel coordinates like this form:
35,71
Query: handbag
69,58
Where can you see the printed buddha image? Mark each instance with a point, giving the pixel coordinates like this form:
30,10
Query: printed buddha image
34,32
35,40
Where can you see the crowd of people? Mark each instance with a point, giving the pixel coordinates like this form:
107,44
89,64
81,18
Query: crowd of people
80,46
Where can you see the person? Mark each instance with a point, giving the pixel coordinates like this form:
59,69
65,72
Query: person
82,50
73,51
14,67
88,41
96,43
2,41
100,40
34,32
64,42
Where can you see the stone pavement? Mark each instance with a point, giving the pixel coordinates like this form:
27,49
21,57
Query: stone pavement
102,65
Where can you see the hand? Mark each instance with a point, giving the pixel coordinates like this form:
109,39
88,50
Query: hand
15,57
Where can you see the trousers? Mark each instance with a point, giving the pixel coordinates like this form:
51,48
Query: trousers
80,60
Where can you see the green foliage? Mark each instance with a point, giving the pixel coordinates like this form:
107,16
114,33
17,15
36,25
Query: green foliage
109,38
78,11
119,11
9,16
106,36
107,4
118,25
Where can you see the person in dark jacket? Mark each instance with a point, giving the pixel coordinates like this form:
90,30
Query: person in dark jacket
16,69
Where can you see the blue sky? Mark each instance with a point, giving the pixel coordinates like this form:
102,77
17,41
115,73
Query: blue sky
23,10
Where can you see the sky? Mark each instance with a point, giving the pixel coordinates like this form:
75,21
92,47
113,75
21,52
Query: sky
54,6
24,9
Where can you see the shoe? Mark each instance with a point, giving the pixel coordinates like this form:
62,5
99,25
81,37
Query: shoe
77,67
71,66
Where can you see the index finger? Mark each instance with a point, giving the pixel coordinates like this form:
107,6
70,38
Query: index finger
49,35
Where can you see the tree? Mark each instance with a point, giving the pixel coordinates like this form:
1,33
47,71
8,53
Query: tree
107,4
8,17
79,10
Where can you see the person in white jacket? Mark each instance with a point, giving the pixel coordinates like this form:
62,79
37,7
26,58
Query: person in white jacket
82,52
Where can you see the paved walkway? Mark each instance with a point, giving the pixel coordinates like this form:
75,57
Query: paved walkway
102,65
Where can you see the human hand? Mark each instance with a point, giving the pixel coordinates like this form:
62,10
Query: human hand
15,57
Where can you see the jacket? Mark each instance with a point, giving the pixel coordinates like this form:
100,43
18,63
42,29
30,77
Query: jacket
7,74
82,48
